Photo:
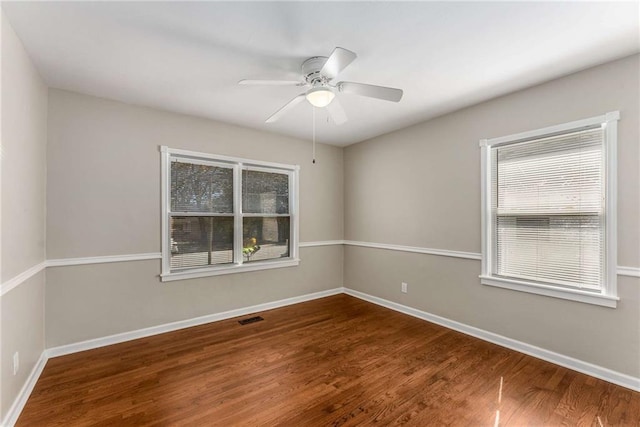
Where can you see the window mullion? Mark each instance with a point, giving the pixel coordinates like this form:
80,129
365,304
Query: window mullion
610,190
237,214
293,210
486,211
165,177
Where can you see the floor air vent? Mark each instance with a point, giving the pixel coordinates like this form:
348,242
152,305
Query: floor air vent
250,320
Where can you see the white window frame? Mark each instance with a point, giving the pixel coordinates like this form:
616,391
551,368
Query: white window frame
237,164
606,296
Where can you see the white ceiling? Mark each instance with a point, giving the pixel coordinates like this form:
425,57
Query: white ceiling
187,57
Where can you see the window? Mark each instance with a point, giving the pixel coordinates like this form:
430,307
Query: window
548,211
223,215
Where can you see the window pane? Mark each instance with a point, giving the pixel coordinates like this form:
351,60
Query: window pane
201,188
564,250
548,205
198,241
265,192
556,175
265,238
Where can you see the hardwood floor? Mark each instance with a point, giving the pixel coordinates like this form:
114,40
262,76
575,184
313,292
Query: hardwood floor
329,362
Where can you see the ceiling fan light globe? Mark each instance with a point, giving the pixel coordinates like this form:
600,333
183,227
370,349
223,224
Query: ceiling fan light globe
320,96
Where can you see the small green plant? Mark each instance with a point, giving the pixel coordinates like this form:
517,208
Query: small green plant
250,248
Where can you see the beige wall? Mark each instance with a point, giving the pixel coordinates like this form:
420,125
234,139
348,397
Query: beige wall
24,120
103,173
120,297
23,157
420,186
22,331
103,182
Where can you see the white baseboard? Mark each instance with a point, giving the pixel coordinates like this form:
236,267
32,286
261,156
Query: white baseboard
587,368
174,326
14,411
23,396
611,376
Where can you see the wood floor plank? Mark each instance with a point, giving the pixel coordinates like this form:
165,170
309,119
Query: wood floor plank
336,361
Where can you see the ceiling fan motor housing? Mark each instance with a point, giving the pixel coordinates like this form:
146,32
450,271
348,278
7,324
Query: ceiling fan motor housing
311,70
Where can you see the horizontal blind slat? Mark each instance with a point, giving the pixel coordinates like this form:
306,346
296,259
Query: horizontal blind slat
547,209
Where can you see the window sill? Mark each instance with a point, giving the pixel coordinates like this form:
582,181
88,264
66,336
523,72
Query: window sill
228,269
551,291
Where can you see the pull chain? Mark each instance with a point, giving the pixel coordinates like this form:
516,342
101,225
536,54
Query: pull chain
314,134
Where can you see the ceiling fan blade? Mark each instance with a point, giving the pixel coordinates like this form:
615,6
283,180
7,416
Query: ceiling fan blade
336,112
270,83
295,101
337,61
372,91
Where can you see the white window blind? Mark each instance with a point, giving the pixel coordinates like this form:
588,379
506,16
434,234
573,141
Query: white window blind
549,211
548,204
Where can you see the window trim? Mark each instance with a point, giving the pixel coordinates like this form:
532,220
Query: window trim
607,296
238,266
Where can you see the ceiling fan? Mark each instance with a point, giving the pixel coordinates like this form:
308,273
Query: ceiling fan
318,73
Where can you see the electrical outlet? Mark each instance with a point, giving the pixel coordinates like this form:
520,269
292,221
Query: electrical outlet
403,287
16,362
